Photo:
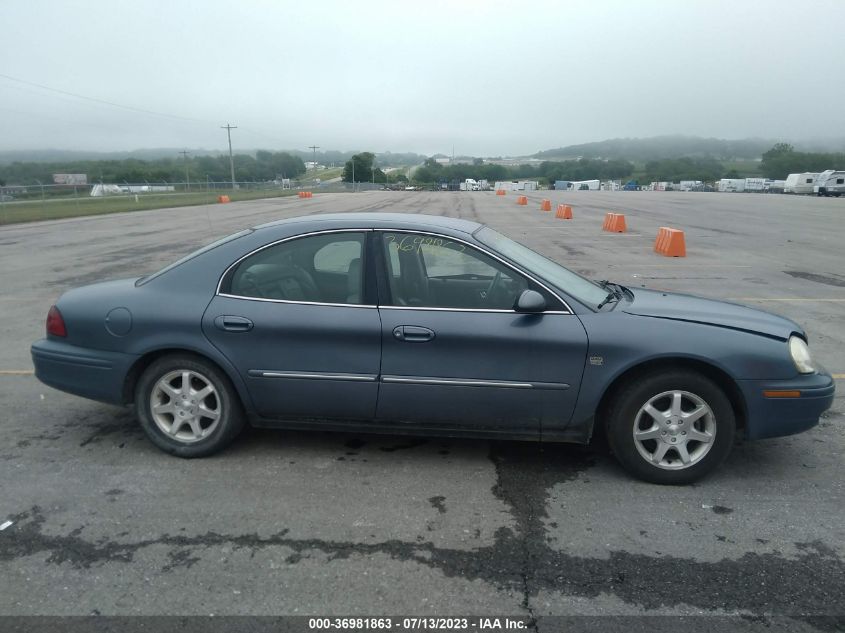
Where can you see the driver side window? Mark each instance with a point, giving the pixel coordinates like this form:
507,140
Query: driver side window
437,272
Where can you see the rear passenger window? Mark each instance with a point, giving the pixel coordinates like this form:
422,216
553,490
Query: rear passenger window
316,269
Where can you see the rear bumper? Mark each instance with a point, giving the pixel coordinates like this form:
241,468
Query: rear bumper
94,374
775,417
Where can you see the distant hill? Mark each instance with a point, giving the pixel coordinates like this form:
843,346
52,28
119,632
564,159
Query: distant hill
676,146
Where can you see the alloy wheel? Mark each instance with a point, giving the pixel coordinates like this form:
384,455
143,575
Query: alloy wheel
674,430
185,405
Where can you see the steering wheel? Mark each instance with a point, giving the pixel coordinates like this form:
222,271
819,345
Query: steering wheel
494,285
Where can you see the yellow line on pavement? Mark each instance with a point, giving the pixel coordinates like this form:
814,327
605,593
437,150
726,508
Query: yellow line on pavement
838,376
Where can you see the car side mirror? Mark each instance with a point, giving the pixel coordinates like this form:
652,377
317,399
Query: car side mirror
530,301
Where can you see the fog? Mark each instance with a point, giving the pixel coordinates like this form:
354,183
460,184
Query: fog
485,78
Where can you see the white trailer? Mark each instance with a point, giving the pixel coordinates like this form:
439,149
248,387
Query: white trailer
470,184
830,183
755,184
732,185
800,183
690,185
517,185
585,185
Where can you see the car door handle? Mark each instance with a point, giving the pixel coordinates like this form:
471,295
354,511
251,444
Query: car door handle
412,333
233,323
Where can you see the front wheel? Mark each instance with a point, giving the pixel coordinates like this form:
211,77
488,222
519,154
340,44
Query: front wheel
671,427
187,406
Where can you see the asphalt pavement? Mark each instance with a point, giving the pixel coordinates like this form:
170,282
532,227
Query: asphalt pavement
319,523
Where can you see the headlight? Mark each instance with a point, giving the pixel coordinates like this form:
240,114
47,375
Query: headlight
801,355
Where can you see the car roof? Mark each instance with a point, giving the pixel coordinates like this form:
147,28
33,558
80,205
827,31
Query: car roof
409,221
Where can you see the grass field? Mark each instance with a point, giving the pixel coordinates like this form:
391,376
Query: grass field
322,174
52,209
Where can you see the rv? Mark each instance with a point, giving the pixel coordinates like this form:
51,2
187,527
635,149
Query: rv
830,183
800,183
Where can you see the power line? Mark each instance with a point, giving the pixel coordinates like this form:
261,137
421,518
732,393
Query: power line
102,101
314,148
257,133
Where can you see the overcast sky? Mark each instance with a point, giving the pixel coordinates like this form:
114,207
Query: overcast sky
489,78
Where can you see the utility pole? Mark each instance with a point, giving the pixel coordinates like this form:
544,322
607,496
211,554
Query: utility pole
229,129
185,153
314,148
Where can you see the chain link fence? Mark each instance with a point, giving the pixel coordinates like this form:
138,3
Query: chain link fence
29,203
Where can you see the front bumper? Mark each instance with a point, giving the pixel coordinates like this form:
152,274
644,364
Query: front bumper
90,373
778,416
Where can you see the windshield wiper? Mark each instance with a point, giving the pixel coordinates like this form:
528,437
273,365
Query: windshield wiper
611,296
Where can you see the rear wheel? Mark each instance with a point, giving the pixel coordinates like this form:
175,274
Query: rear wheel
671,427
187,406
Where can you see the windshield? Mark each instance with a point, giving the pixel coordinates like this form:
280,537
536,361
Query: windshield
200,251
572,283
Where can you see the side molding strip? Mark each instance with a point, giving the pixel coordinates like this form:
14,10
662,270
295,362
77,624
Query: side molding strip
307,375
472,382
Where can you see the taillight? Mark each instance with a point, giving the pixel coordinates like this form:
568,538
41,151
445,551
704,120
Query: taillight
55,323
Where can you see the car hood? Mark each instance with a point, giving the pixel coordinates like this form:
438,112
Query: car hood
682,307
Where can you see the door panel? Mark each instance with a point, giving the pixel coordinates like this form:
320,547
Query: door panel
300,357
480,365
486,370
301,360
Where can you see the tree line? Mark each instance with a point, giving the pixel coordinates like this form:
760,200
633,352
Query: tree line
782,160
548,171
263,166
779,161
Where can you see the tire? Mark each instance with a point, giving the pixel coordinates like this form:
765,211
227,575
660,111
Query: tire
671,448
207,414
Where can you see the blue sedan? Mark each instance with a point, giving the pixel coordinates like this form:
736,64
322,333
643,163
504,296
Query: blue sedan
417,324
